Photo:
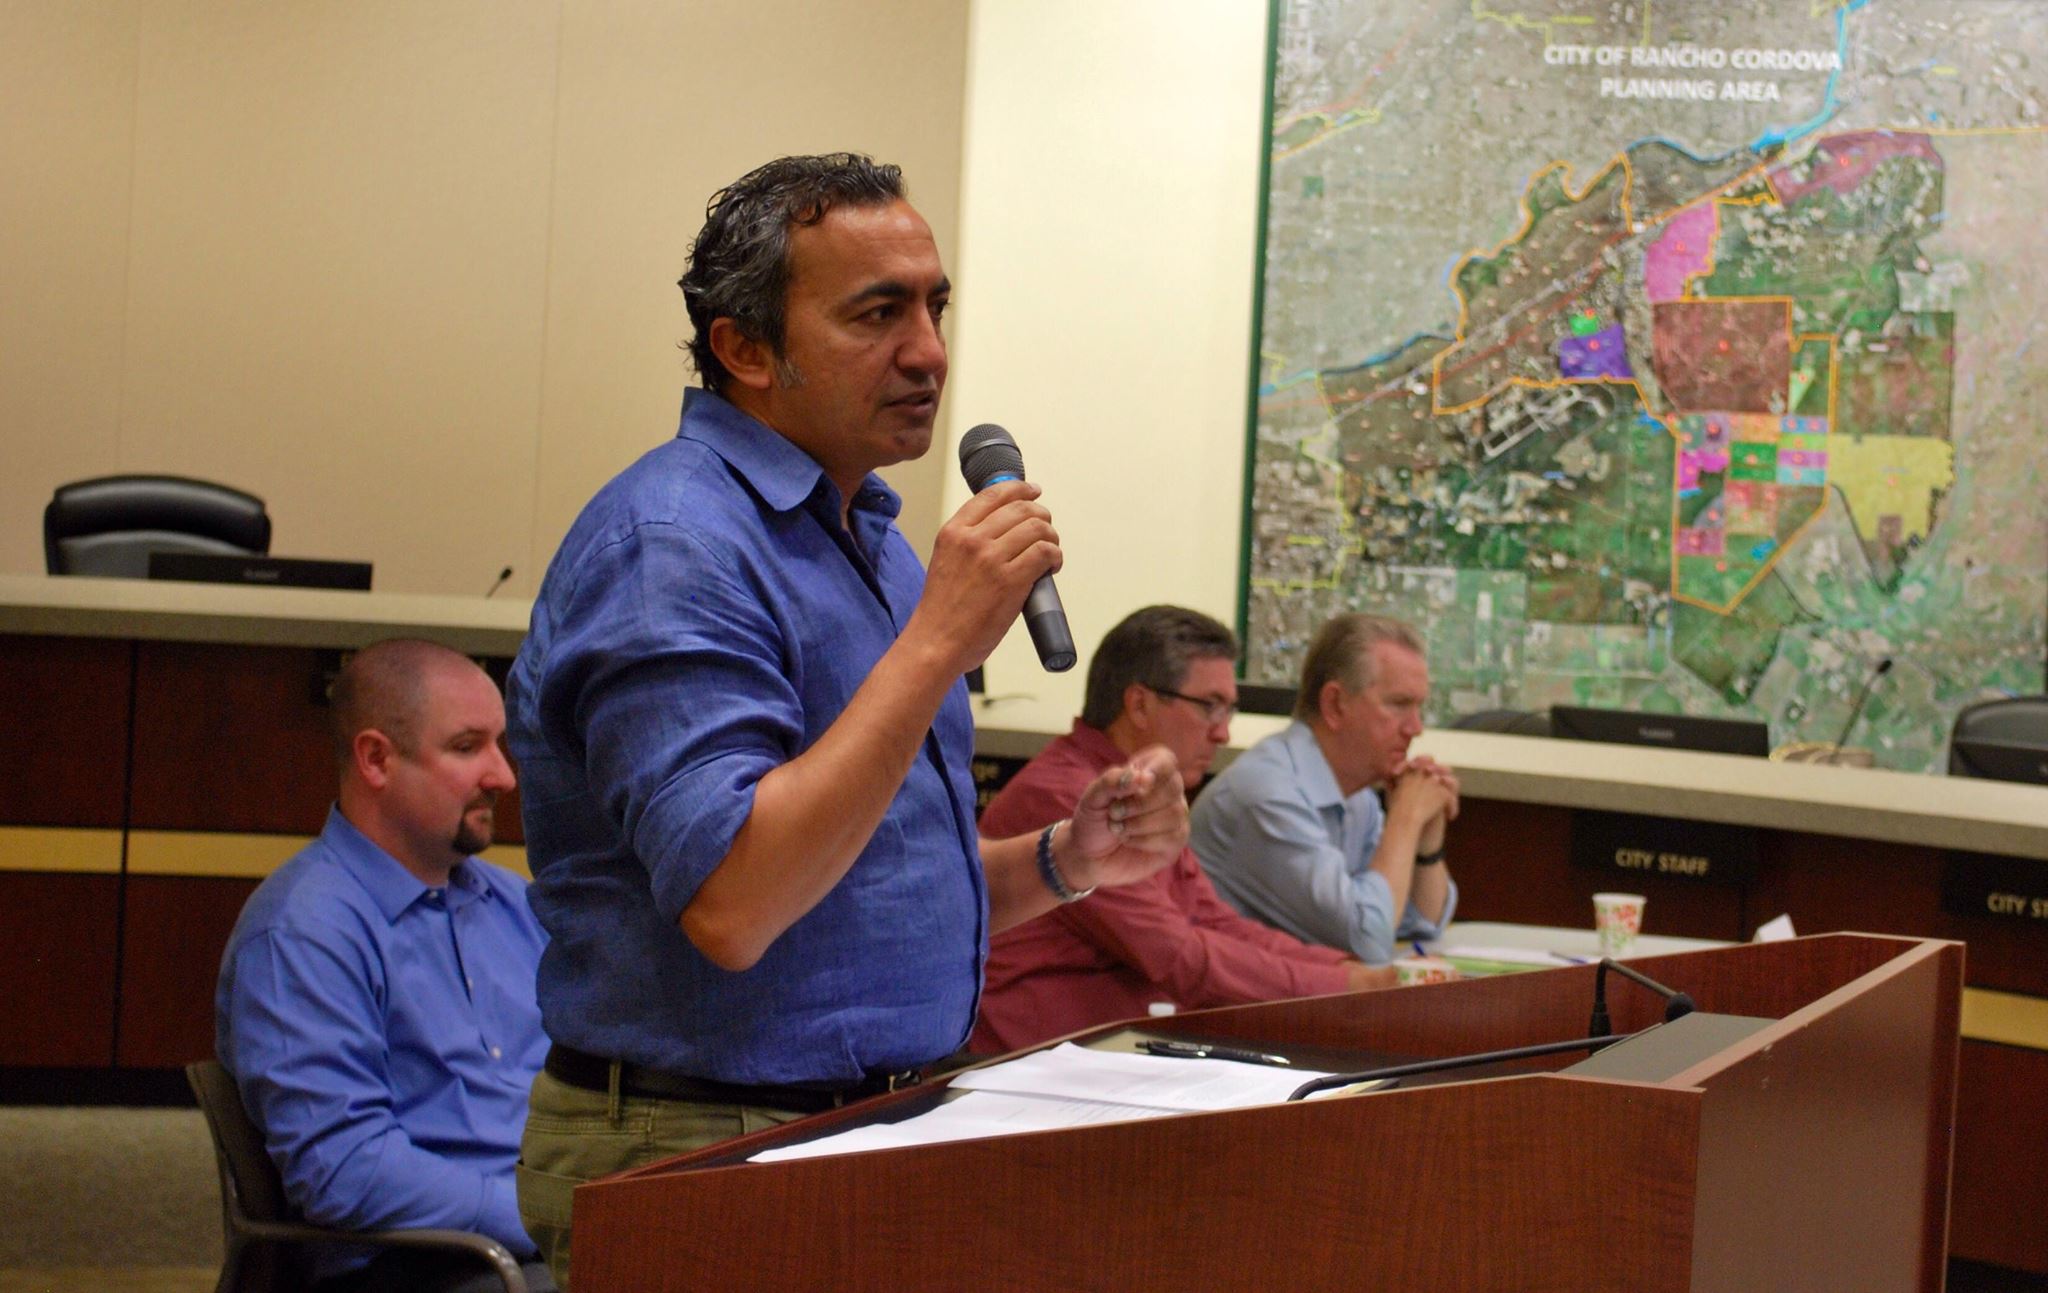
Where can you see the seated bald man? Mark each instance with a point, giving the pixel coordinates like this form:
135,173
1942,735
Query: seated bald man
1164,676
376,1000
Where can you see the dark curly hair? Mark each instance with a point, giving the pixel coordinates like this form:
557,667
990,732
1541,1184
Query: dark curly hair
739,264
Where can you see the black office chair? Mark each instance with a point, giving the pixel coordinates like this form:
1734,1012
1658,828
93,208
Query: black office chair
2005,740
1512,722
264,1240
110,525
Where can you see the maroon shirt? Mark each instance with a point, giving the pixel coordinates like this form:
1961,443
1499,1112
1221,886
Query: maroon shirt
1165,938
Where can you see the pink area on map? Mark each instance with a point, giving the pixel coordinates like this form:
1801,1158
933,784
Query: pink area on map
1841,162
1691,462
1687,248
1700,543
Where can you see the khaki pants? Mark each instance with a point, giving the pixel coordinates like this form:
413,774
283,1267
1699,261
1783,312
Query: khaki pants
573,1136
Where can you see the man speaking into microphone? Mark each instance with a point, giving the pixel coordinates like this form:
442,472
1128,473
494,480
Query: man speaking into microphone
741,725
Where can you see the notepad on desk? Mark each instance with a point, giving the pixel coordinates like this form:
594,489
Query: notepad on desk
1479,962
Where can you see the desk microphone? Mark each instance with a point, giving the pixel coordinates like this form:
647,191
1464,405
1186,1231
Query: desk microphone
1395,1072
503,575
1884,667
1676,1004
988,456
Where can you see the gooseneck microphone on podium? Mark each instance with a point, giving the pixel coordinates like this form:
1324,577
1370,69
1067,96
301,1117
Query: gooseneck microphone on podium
988,456
1677,1004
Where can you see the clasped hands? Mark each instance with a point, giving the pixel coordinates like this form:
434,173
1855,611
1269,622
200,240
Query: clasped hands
1428,789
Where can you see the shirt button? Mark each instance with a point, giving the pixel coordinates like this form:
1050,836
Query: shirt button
497,1054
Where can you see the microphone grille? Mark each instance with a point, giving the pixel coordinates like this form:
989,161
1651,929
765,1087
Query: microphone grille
987,452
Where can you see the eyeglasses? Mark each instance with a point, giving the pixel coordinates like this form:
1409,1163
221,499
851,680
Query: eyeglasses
1214,709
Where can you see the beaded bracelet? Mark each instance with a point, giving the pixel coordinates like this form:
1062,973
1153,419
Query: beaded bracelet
1051,873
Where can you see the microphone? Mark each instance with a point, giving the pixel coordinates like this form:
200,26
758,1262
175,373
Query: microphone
1677,1004
988,456
1393,1074
503,575
1884,667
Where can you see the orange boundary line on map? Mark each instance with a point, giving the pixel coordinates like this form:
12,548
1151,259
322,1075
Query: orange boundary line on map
1772,197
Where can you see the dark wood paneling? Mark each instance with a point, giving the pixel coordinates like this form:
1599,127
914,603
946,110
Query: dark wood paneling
66,731
59,934
176,929
1827,882
230,738
1513,863
2001,1171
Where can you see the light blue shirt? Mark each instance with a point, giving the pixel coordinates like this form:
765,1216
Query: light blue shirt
384,1037
1282,844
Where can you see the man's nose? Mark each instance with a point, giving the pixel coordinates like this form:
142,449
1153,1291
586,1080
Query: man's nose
499,775
924,351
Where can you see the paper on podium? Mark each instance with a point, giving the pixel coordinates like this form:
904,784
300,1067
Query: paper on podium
1067,1086
969,1117
1155,1081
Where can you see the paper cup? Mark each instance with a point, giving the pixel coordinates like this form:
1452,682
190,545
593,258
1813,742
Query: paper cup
1618,918
1423,969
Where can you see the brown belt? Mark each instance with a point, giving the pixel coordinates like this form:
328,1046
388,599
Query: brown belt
593,1073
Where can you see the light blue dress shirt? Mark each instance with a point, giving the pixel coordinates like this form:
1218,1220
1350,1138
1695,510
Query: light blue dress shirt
384,1037
1282,844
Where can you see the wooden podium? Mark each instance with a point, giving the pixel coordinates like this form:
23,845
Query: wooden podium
1812,1154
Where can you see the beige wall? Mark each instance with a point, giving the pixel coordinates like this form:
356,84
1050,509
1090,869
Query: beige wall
405,270
1109,213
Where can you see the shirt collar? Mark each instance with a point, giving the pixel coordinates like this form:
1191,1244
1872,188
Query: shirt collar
390,886
1311,770
769,462
1095,743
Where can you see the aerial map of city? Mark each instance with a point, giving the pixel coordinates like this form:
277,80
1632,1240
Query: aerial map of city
1688,357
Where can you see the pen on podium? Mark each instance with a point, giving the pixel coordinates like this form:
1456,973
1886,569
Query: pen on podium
1204,1051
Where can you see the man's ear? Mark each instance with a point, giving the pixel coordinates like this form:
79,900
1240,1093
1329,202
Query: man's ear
751,362
1330,704
1140,703
373,753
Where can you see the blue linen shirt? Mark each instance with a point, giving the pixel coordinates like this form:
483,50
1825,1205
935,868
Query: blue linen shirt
384,1036
1282,844
706,620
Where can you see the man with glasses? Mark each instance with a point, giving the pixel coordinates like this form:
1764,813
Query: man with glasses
1164,676
1293,833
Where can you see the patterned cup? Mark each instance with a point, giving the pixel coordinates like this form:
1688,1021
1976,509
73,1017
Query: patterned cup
1618,917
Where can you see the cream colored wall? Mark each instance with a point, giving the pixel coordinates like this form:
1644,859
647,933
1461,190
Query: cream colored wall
1109,212
405,270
